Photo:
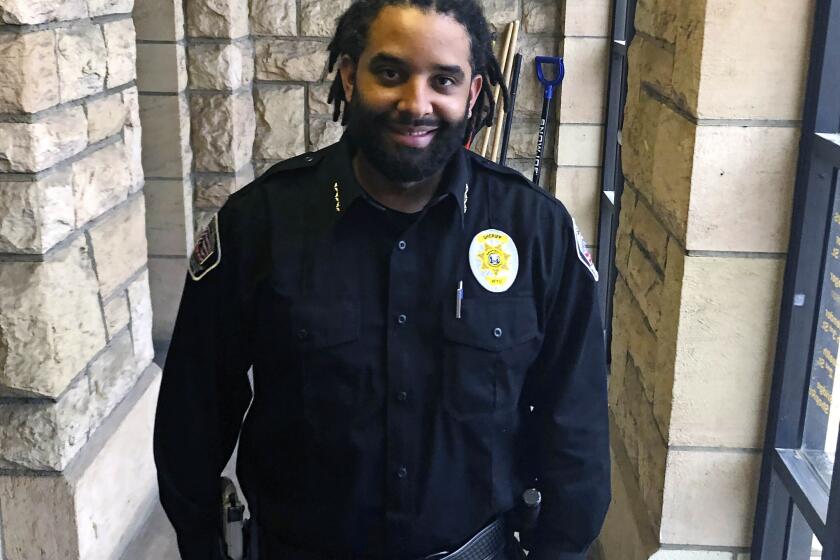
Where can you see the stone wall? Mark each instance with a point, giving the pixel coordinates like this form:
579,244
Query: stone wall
230,87
76,377
710,145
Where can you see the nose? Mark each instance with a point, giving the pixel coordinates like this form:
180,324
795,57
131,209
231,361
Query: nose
415,98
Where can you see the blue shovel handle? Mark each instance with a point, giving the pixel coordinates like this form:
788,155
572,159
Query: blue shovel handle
550,84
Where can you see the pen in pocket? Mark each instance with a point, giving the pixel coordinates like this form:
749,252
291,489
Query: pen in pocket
459,297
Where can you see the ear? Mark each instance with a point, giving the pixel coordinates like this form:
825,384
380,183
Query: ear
475,89
347,69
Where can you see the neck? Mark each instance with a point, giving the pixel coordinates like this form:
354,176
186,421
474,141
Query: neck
404,197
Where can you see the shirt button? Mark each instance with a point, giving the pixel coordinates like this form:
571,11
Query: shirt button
497,332
401,245
402,319
302,334
402,472
402,396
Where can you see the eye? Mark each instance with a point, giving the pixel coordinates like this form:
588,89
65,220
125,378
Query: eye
388,74
445,81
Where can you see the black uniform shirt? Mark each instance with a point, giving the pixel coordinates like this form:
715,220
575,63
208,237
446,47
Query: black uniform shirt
383,425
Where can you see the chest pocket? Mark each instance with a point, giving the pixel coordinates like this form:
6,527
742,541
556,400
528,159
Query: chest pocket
486,354
335,379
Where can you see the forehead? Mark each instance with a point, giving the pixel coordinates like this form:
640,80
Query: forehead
418,36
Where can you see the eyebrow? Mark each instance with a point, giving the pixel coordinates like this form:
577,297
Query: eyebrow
391,59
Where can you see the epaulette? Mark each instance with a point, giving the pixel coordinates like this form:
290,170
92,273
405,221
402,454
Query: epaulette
298,162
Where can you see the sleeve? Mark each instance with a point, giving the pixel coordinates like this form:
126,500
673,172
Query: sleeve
205,390
570,408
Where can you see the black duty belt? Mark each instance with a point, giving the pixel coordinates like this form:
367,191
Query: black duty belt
487,544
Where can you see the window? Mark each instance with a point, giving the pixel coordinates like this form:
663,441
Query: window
798,513
612,179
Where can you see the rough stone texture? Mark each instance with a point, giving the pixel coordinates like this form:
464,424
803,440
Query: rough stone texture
318,95
587,18
54,534
122,51
50,321
32,147
84,513
36,214
221,67
658,18
578,188
217,18
159,20
212,191
97,8
529,100
274,17
500,12
42,435
132,139
720,390
734,208
161,67
222,131
658,158
318,17
81,61
745,86
111,376
100,181
279,122
116,314
119,245
106,116
710,498
322,133
166,279
583,94
523,139
140,305
169,217
580,145
34,12
291,60
28,72
166,153
541,16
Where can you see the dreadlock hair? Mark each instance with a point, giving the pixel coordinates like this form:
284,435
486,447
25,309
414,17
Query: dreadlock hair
351,38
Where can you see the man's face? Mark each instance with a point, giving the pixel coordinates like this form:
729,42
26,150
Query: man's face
410,92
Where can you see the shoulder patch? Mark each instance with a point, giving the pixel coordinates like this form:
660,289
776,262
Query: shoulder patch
207,253
583,253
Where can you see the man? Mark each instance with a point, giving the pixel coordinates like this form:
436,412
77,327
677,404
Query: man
422,326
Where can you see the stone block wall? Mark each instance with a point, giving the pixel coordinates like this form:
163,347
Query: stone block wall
75,313
711,139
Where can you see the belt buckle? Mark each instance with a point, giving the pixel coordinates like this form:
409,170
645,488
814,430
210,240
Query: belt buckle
436,556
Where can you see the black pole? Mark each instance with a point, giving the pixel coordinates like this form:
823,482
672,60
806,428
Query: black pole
514,87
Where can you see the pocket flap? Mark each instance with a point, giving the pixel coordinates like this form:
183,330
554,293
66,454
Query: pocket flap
324,323
492,324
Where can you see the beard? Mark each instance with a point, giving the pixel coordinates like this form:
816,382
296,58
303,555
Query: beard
402,164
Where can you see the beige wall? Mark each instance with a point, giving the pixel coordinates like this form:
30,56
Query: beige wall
77,384
710,146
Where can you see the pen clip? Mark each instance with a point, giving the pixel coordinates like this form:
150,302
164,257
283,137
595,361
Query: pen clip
459,297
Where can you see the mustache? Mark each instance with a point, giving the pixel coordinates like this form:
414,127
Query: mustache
405,119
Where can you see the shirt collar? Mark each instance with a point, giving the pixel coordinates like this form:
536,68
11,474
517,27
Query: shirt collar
454,183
